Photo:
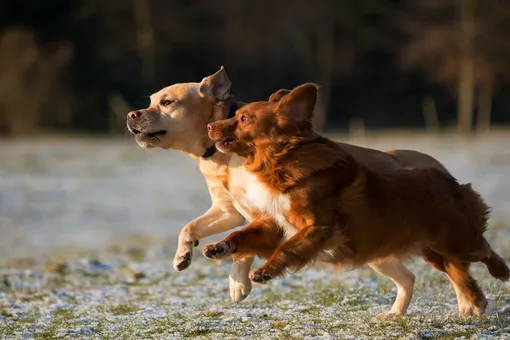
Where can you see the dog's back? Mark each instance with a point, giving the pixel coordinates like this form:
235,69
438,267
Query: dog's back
443,187
397,213
426,208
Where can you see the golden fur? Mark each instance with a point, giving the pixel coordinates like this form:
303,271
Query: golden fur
343,209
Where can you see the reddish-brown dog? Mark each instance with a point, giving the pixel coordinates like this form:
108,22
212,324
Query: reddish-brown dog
313,200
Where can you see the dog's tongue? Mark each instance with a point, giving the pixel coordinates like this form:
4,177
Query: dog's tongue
224,144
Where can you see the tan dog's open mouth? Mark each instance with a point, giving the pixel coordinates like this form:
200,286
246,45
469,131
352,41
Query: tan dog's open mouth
147,134
147,139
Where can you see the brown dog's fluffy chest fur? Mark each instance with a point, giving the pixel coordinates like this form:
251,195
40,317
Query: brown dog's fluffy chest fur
371,215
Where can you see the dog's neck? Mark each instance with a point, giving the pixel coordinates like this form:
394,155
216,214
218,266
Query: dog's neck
269,160
285,163
230,109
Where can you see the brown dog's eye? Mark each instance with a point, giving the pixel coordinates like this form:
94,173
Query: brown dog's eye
167,102
244,119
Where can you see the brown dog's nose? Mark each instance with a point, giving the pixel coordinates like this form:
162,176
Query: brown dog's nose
211,127
134,114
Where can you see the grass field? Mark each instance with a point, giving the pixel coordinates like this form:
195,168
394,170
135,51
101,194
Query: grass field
88,229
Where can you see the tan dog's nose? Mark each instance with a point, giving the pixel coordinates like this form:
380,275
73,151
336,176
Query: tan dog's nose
211,126
134,114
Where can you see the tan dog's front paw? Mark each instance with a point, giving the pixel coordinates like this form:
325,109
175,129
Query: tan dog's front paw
260,275
239,290
239,282
184,253
182,260
217,251
388,315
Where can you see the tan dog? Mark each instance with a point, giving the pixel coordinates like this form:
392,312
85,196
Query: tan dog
177,118
313,200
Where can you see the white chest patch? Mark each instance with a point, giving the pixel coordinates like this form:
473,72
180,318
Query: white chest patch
274,205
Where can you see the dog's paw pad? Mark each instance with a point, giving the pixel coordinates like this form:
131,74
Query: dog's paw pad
259,275
216,251
182,262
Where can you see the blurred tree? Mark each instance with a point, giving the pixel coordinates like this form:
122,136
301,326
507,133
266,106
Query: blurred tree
145,37
101,57
32,83
319,40
463,42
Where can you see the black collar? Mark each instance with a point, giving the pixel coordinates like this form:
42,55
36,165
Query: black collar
231,113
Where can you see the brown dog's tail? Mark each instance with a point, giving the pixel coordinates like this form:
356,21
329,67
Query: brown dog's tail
497,266
477,213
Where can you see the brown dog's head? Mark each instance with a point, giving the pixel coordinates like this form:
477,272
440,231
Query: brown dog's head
178,115
278,95
261,122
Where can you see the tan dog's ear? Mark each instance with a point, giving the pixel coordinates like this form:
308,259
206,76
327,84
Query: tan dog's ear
218,112
275,97
299,104
216,86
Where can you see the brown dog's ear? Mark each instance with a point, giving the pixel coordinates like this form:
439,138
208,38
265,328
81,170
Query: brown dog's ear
299,104
216,86
275,97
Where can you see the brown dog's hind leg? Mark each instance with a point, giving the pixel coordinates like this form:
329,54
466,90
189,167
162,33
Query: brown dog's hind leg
458,272
481,251
437,261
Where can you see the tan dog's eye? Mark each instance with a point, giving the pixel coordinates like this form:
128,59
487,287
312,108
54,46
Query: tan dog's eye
167,102
244,119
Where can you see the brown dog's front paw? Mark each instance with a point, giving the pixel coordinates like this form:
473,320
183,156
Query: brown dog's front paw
217,251
260,275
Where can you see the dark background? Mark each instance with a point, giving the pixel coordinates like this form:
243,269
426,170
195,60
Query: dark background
80,66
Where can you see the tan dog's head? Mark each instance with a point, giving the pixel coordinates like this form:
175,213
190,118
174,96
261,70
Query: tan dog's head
178,115
261,122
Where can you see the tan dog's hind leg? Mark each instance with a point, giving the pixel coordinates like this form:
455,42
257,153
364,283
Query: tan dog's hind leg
214,221
403,279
